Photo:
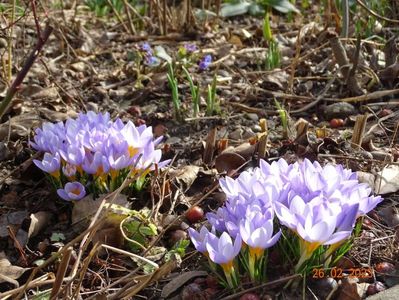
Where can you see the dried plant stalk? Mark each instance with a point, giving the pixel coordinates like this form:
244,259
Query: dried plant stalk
61,273
343,61
263,137
210,145
358,131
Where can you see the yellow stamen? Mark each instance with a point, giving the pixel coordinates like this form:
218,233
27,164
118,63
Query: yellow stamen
133,151
56,174
79,169
114,173
256,252
227,267
311,247
100,171
75,191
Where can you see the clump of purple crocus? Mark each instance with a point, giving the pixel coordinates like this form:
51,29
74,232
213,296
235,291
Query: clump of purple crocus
94,151
247,218
205,62
319,205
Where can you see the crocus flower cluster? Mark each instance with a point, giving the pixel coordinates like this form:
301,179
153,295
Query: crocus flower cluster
319,205
93,151
205,62
149,58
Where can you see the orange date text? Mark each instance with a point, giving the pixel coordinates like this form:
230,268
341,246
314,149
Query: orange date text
337,273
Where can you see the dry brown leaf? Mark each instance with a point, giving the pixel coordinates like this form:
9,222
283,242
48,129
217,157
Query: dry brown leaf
8,272
235,40
186,176
348,290
85,208
47,93
56,116
246,150
387,180
228,161
21,125
179,281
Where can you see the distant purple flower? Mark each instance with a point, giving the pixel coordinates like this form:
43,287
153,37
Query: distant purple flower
190,48
145,47
152,61
72,191
205,62
50,164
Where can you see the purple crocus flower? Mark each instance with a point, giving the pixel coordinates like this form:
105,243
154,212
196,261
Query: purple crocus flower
50,164
200,238
222,250
97,164
72,191
69,170
73,155
218,219
257,232
205,62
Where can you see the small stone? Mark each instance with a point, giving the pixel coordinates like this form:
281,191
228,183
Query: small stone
79,66
4,152
339,110
3,43
173,140
236,134
375,288
248,133
365,177
257,128
252,116
92,106
383,156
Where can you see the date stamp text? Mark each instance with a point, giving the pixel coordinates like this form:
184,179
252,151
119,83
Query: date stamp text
337,273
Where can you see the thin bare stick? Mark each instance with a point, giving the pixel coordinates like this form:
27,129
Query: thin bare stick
118,16
120,251
165,31
83,270
55,256
364,6
10,38
25,69
129,17
295,60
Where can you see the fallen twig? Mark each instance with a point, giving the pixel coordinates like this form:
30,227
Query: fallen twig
25,69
